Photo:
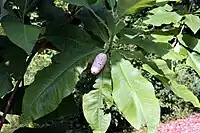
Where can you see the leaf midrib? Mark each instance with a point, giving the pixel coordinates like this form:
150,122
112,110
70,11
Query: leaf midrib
58,75
120,66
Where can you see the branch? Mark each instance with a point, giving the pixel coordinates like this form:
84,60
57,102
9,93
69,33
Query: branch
9,103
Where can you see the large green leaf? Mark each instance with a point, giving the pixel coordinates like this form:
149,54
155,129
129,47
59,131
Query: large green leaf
24,36
162,15
14,58
131,6
93,103
55,82
130,36
5,81
65,36
134,95
179,90
193,22
86,5
94,25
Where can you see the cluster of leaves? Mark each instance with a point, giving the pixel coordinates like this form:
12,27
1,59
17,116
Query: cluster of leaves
81,31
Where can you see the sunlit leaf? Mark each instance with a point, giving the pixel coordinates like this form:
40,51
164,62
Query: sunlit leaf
193,22
162,15
93,103
134,95
131,6
180,90
130,36
193,61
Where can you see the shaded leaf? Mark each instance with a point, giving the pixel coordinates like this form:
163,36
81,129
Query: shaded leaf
55,82
13,57
61,110
5,81
131,6
3,11
86,5
193,22
24,6
94,25
112,3
134,95
68,35
24,36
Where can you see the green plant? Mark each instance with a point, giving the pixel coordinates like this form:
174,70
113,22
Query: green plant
78,33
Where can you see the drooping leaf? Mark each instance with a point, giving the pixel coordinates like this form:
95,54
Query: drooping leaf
131,6
55,82
129,36
94,113
14,58
94,25
162,15
97,101
5,81
68,35
134,95
179,90
193,22
86,5
24,36
193,61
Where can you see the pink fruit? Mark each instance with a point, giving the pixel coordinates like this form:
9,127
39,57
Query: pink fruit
99,63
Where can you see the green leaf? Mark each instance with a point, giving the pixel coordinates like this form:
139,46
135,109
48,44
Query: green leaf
131,6
94,25
134,95
183,92
3,12
94,113
130,37
24,6
193,61
14,58
65,36
55,82
24,36
193,22
162,15
179,90
112,3
86,5
93,103
5,81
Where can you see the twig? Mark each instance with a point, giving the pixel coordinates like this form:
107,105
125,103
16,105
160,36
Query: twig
9,103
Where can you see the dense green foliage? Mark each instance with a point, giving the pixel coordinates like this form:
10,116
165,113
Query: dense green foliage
149,44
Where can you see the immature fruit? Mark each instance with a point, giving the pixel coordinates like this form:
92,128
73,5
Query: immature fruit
99,63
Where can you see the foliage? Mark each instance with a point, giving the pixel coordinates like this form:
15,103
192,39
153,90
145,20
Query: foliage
33,26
